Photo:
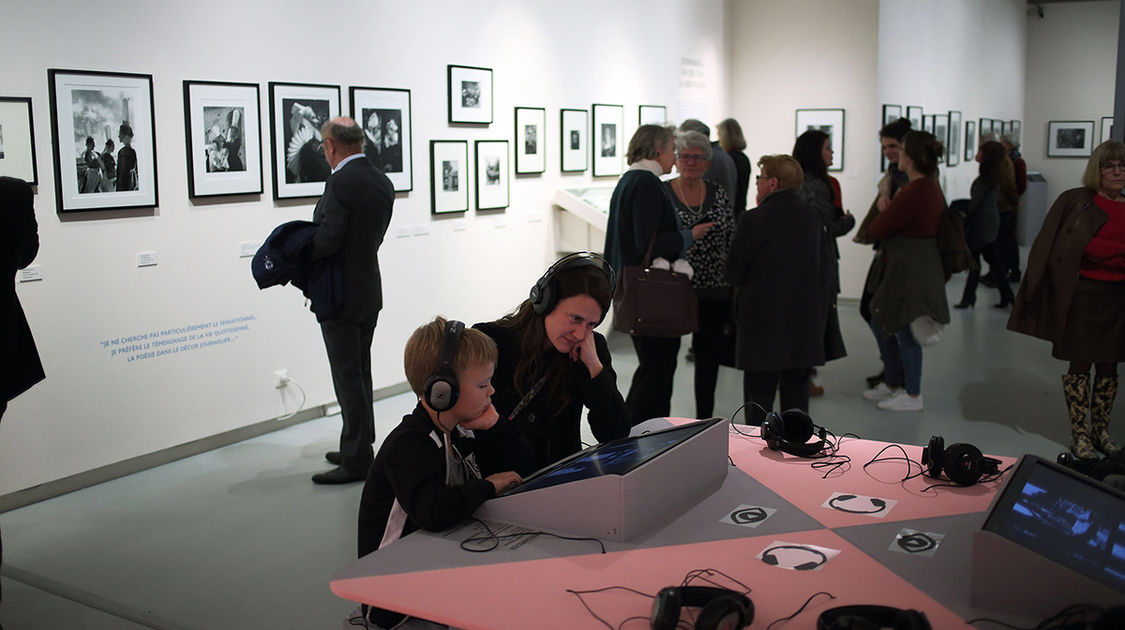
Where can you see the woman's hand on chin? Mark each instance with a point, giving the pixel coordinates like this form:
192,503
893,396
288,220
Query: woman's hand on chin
586,352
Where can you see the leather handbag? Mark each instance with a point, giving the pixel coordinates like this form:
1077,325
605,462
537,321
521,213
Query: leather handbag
651,302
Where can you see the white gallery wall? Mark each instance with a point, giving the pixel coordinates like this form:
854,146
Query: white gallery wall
97,407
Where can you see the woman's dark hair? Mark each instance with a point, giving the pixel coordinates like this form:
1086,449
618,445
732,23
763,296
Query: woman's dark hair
992,156
809,153
924,150
537,356
897,129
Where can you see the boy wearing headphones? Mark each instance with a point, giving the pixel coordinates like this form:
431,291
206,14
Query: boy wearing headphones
425,474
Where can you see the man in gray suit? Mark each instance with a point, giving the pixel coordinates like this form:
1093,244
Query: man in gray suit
352,217
722,170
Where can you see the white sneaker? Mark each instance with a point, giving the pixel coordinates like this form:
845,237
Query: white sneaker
901,401
880,392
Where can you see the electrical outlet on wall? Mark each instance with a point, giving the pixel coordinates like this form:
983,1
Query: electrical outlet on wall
281,378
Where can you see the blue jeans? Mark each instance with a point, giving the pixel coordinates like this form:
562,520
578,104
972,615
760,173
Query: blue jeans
902,359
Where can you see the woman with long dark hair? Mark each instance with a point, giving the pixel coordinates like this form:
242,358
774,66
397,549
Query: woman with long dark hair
982,221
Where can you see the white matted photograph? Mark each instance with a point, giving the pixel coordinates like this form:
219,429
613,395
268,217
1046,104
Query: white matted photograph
491,157
572,139
449,173
953,147
609,139
1070,138
384,115
1016,127
103,129
17,139
652,115
914,114
970,139
224,138
297,111
470,94
831,122
531,140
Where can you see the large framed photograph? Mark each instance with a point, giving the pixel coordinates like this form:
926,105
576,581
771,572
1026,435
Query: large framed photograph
224,138
831,122
17,139
531,140
491,157
941,132
470,94
652,114
1070,138
1107,128
914,115
384,114
449,176
572,139
970,140
103,128
297,111
953,146
609,145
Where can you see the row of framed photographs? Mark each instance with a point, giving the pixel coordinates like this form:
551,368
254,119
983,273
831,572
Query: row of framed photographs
1075,138
946,127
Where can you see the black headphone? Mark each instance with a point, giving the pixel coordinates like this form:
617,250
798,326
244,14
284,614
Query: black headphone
789,432
877,503
544,294
871,618
962,463
722,609
441,389
770,558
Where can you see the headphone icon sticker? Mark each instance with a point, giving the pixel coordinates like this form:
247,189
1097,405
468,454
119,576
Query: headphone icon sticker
917,543
748,515
796,556
875,507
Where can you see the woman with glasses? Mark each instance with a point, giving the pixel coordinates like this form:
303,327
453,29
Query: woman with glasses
1073,295
700,201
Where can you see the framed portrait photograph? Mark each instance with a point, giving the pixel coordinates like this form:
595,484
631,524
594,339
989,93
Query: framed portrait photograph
941,132
384,115
914,115
224,138
297,111
831,122
970,140
572,139
491,157
470,94
1070,138
103,129
953,146
652,114
449,173
531,140
17,139
1107,128
608,148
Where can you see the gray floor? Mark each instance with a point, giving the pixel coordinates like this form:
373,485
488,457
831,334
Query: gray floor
240,538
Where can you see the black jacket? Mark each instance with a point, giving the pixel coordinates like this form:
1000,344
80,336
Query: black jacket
284,258
20,367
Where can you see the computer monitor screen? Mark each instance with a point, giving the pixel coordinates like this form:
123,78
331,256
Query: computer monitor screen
616,457
1061,515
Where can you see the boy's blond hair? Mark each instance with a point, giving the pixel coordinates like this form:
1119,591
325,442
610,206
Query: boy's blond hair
421,358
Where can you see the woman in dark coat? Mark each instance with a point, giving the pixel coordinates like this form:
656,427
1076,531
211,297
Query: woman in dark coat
1073,295
780,267
982,221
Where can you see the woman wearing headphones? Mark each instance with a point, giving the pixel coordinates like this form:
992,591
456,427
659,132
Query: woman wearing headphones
551,365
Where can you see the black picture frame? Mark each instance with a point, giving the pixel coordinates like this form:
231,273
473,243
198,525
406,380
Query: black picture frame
94,97
573,138
1070,138
493,189
953,145
449,176
388,109
941,132
608,150
531,140
17,139
970,140
470,94
891,113
297,110
830,121
1016,127
652,115
223,134
928,122
914,114
1107,128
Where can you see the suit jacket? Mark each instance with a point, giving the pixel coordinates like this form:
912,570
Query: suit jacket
20,367
352,217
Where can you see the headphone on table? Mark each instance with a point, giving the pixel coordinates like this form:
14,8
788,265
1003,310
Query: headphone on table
871,618
770,558
722,609
544,294
789,432
441,389
875,502
962,463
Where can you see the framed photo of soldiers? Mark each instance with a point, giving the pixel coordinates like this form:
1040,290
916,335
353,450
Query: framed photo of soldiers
384,115
297,111
224,138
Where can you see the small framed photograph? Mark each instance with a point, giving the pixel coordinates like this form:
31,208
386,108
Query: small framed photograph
652,115
1070,138
531,140
1000,127
491,157
928,123
297,111
891,113
470,94
17,139
103,128
953,146
384,114
941,132
572,139
609,148
914,115
831,122
1016,127
970,140
985,125
224,138
449,184
1107,127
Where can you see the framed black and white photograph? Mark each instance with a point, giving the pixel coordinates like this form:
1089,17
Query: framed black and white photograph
297,111
531,140
970,140
449,176
224,138
17,139
470,94
491,158
928,123
953,145
914,115
384,114
1016,127
609,139
103,129
573,125
652,115
1000,127
1070,138
1107,128
941,132
891,113
831,122
985,125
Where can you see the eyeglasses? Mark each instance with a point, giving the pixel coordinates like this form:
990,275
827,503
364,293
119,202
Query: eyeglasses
1113,166
691,158
758,178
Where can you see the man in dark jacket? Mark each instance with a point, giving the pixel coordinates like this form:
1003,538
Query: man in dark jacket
352,217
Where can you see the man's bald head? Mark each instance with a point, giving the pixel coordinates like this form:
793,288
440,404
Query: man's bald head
344,132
